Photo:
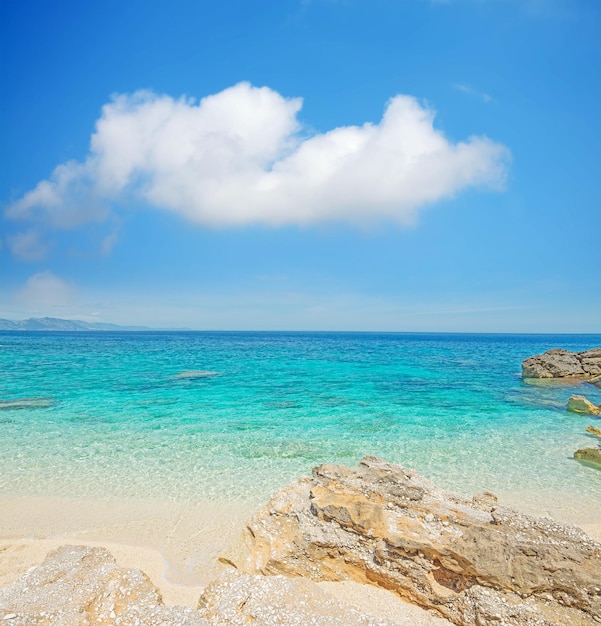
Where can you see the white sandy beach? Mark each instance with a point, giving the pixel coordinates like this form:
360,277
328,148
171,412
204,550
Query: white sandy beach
176,544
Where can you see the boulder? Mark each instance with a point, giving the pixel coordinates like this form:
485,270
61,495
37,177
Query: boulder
594,430
80,586
589,455
472,561
559,363
579,404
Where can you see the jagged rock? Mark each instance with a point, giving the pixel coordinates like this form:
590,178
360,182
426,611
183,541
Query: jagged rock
472,561
240,599
26,403
80,586
591,361
559,363
579,404
594,430
589,455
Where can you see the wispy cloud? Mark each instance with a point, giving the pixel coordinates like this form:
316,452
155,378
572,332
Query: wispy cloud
241,156
28,246
109,242
470,91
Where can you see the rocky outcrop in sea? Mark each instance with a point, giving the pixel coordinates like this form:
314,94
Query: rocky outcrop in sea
594,430
580,404
589,455
559,363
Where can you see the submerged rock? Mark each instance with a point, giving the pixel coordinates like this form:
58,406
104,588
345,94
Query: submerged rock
470,560
579,404
193,374
80,586
594,430
559,363
26,403
589,455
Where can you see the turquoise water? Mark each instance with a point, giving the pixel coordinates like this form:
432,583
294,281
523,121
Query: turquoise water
123,424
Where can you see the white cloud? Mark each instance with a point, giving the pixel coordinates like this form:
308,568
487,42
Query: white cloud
240,157
28,246
45,290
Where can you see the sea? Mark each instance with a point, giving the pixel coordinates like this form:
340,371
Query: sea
234,416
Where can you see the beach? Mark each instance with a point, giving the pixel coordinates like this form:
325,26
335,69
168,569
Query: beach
176,543
160,447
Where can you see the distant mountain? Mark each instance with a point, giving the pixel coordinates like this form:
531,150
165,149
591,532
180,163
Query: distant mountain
54,323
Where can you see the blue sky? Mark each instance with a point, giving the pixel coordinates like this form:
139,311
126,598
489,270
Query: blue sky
395,165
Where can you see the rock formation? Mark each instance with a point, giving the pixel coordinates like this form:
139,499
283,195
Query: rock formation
594,430
81,586
472,561
589,455
579,404
561,363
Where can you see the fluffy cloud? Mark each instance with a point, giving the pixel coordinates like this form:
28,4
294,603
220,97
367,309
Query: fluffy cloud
240,157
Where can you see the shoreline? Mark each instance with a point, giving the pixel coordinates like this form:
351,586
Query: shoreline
176,543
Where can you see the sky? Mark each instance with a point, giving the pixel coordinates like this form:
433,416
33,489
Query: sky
392,165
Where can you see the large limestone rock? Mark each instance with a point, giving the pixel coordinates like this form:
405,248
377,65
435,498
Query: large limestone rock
472,561
83,586
579,404
559,363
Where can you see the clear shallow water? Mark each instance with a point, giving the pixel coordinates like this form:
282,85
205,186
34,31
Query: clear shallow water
124,425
